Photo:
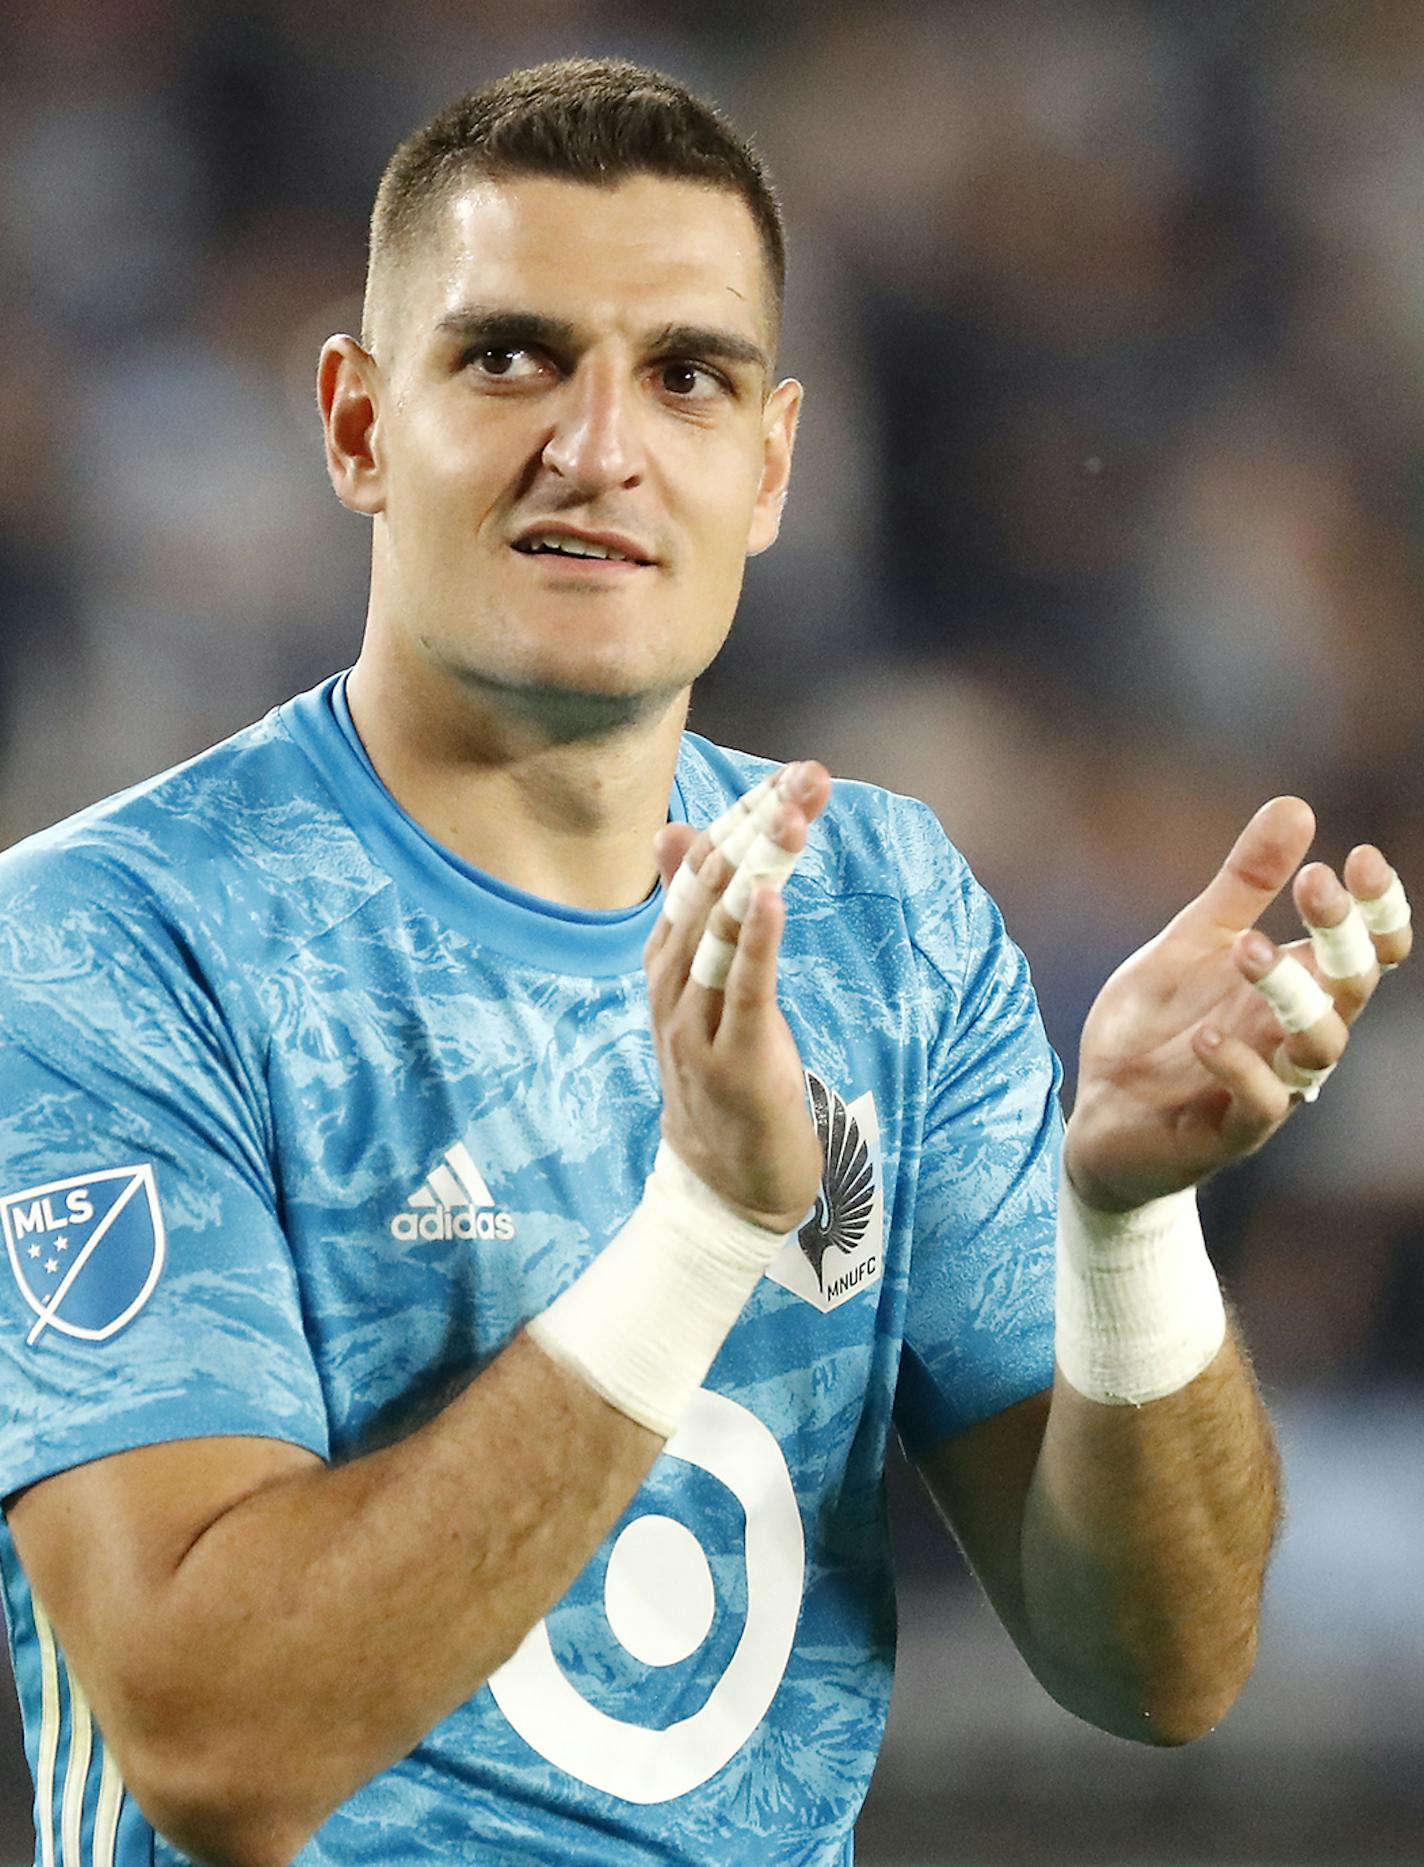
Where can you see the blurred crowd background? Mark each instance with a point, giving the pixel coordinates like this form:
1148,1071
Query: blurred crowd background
1106,526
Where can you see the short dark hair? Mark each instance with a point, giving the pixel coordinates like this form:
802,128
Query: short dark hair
590,120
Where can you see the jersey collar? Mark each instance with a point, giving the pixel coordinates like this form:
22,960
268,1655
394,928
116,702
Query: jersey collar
542,934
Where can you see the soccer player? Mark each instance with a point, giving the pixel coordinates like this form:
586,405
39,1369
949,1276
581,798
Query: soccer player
471,1239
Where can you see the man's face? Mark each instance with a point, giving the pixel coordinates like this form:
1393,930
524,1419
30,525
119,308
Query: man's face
563,368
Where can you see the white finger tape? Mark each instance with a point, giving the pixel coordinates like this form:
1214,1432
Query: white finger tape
679,894
765,861
746,833
712,961
1346,950
1299,1078
1297,1000
738,813
1387,913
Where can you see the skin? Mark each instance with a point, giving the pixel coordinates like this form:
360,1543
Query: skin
253,1643
527,711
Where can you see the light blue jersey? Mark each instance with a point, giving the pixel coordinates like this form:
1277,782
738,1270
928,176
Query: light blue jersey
301,1118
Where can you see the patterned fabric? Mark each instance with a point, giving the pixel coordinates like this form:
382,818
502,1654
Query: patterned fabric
301,1118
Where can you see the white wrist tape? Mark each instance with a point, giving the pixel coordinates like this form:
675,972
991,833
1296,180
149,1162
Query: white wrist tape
1297,1000
643,1324
1139,1311
1346,950
1387,913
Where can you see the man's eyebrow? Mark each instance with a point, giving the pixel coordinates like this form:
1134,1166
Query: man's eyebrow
699,340
492,324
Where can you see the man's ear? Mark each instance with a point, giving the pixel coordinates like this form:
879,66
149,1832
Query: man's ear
783,408
348,384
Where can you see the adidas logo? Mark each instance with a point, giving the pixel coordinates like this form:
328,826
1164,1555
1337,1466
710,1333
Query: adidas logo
452,1202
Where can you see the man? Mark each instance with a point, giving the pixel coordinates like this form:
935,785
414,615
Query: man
356,1302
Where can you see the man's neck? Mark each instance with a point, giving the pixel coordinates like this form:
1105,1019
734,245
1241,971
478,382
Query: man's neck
571,821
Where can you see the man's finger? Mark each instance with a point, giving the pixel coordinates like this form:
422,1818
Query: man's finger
1314,1032
1262,860
770,859
1259,1101
1383,904
750,989
1340,941
733,831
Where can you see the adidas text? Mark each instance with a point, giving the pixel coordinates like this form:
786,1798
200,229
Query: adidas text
458,1222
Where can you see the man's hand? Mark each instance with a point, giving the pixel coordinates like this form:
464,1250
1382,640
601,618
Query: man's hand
734,1095
1176,1074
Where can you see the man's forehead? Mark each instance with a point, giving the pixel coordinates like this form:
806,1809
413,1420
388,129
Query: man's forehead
648,248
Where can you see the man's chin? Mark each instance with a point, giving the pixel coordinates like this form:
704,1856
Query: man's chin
563,711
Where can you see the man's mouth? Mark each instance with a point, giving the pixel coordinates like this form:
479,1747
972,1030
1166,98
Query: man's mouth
572,545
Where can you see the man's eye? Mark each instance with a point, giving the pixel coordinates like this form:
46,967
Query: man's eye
507,361
688,382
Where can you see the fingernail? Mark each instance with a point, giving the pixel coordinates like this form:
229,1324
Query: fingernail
1210,1036
790,780
1258,948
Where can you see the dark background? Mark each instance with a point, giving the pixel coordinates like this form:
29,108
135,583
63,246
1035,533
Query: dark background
1105,527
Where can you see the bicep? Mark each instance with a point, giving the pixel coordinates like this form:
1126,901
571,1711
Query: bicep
979,1480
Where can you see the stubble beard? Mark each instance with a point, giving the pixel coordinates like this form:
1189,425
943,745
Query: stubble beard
552,711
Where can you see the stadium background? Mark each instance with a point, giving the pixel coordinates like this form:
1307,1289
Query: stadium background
1106,526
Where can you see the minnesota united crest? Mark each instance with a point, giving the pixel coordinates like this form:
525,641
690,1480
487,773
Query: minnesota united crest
839,1251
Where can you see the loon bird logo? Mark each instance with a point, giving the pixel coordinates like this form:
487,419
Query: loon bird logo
839,1251
847,1197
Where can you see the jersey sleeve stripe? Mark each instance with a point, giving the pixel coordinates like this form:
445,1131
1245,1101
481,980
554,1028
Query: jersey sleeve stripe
76,1775
49,1737
106,1815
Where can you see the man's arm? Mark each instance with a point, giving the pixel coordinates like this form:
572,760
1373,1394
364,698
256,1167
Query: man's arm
1123,1548
259,1634
1125,1545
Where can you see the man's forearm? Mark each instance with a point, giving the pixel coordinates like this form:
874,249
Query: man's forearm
1146,1536
315,1632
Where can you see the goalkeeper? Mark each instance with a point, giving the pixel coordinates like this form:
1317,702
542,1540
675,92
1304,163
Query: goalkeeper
485,1172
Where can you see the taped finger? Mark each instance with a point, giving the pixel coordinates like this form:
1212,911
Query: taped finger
722,827
1388,918
1302,1081
765,861
680,892
1387,913
734,833
1297,1000
712,961
1344,951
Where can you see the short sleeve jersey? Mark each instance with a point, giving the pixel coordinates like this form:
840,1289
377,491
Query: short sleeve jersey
302,1118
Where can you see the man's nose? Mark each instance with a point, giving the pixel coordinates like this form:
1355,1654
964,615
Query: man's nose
598,441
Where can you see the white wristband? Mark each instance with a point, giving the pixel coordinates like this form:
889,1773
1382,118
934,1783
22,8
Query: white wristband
1139,1311
643,1324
